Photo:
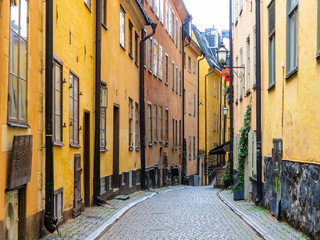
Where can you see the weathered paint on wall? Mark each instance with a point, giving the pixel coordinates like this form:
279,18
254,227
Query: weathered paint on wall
35,77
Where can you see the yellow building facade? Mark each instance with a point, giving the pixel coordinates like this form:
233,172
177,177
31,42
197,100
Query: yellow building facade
21,122
209,95
290,120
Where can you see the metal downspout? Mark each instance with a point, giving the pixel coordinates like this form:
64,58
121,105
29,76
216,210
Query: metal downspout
198,170
231,94
49,220
205,123
142,105
96,165
258,107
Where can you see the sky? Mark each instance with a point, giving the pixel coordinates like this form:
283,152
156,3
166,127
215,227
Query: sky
207,13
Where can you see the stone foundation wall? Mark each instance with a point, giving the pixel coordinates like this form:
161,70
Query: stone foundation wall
300,194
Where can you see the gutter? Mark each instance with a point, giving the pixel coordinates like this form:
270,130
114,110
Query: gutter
231,94
50,220
198,169
142,103
206,134
258,106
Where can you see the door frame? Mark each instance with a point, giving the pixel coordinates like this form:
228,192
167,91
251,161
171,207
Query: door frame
116,146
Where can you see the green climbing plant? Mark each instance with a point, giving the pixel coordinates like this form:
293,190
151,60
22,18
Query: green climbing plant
243,148
226,175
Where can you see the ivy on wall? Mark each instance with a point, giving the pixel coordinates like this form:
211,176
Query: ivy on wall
243,148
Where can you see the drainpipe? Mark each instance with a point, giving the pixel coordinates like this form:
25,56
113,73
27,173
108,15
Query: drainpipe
231,94
96,165
206,134
258,114
220,117
224,125
142,104
184,142
198,170
49,220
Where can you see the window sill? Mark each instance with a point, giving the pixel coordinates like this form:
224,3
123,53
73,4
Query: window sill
291,73
74,145
160,141
88,7
167,83
104,26
241,98
272,86
137,64
103,150
58,144
236,102
160,79
166,144
248,92
130,55
155,141
131,149
123,48
149,71
150,144
254,86
18,125
137,149
155,75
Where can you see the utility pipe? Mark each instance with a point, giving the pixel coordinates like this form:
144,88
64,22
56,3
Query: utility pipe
231,94
96,165
198,167
258,105
206,134
49,219
142,104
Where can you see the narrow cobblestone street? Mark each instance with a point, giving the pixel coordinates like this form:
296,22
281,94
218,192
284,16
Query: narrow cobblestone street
186,213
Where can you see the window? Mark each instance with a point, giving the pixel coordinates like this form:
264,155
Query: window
254,56
180,129
160,62
156,8
145,49
137,126
172,24
236,11
160,124
190,102
189,64
172,132
102,185
194,147
74,109
122,26
130,124
177,80
103,115
88,3
136,49
57,102
152,4
161,11
167,16
237,81
272,44
155,125
167,69
241,80
149,124
180,39
150,55
194,105
180,81
177,32
172,75
155,58
130,38
189,147
18,62
167,125
248,64
104,12
176,135
214,88
218,90
292,35
194,67
58,203
241,5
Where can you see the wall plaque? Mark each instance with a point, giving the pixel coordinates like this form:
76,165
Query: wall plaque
19,171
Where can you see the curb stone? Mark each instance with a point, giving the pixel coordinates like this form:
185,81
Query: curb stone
246,218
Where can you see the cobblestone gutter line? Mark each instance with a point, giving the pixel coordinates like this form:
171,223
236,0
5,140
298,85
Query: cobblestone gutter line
261,222
115,217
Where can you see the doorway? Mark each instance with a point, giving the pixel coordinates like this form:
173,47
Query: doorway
77,185
116,127
86,157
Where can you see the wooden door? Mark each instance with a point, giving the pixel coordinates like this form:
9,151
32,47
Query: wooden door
77,185
116,123
86,158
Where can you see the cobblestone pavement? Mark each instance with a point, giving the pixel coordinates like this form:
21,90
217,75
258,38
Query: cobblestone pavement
93,217
186,213
262,219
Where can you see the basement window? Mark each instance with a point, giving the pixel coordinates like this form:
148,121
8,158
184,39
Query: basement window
58,204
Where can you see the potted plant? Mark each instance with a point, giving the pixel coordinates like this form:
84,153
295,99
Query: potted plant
225,179
238,193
